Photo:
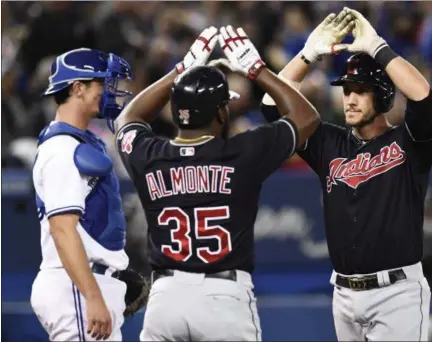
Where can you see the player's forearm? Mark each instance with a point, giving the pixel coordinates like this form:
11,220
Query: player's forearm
72,254
408,79
295,70
294,73
149,102
290,103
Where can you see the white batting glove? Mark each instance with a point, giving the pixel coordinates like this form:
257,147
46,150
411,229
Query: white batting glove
200,50
326,36
242,55
366,38
220,63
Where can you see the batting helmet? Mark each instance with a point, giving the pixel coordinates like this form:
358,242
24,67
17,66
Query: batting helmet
197,94
362,68
87,64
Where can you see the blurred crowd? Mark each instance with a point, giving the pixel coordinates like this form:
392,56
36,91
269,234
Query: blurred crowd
155,35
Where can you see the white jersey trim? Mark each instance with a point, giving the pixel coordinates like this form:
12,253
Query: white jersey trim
65,209
293,133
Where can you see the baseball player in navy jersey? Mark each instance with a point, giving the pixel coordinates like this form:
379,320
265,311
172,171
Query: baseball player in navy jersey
200,191
76,294
374,179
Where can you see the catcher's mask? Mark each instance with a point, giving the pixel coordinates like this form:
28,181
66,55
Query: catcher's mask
362,68
89,64
196,96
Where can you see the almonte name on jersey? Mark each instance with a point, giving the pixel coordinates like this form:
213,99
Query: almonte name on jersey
190,180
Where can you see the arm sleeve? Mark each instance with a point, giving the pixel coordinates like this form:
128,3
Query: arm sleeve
418,119
270,145
64,188
135,143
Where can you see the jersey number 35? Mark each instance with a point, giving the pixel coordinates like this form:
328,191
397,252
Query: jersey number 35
203,230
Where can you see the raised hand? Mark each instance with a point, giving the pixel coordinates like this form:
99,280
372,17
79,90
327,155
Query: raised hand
366,38
242,55
200,50
326,36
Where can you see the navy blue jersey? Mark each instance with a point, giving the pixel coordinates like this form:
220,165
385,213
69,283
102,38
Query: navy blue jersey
201,197
374,191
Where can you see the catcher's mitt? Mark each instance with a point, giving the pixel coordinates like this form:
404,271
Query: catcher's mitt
138,288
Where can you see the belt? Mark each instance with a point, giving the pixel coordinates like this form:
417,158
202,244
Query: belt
228,275
101,269
368,282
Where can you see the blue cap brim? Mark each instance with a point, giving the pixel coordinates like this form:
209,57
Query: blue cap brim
56,88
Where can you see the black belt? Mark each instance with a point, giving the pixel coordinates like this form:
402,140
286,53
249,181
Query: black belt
228,275
368,282
101,269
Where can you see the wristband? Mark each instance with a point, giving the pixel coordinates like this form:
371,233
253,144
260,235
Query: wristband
304,59
180,67
385,55
255,69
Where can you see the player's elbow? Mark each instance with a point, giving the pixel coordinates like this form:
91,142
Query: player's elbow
425,92
306,124
308,129
269,112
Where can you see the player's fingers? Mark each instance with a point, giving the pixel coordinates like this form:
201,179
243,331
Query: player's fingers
337,48
328,19
211,32
345,22
108,331
221,62
214,63
233,35
227,43
348,28
355,13
202,42
96,329
103,331
208,38
208,32
213,41
242,35
222,42
339,17
106,328
90,326
356,30
346,47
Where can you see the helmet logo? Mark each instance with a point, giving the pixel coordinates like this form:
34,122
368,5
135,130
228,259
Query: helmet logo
184,116
352,70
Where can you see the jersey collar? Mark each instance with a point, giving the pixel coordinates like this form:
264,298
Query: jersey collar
191,142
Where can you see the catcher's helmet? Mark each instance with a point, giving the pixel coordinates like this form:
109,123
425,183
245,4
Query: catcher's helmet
88,64
197,94
362,68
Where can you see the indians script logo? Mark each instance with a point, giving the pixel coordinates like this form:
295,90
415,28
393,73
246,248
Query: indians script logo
363,168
